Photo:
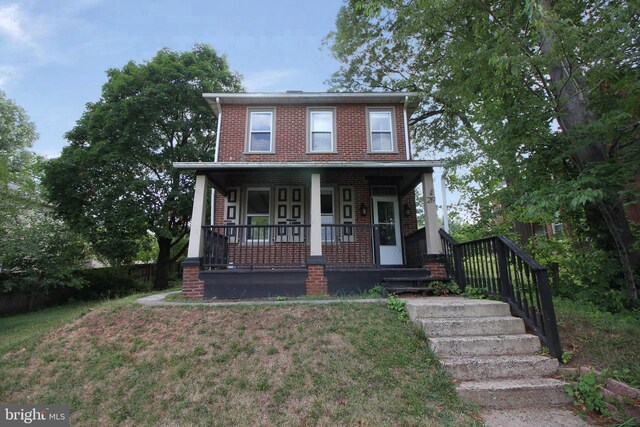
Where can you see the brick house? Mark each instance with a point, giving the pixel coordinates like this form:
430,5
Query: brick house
309,193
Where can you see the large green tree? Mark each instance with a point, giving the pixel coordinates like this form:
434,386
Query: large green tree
115,182
539,100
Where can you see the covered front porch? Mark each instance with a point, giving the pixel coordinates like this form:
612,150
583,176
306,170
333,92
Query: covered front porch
296,229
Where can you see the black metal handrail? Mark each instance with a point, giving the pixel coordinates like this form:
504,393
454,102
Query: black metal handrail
252,246
497,266
351,245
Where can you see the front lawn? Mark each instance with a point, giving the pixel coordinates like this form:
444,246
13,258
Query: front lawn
339,364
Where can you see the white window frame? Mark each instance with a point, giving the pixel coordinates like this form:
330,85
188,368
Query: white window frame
247,214
394,142
272,132
310,112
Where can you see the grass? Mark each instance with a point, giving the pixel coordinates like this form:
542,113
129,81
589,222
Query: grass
179,298
600,339
343,364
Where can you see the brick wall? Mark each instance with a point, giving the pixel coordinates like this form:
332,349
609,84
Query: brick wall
192,286
438,270
316,283
291,135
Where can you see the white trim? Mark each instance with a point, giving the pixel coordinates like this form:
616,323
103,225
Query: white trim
393,129
272,131
196,243
406,128
443,188
334,145
215,158
431,226
315,235
392,164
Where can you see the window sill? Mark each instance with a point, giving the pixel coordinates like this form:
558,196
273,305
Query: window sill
321,152
258,152
383,152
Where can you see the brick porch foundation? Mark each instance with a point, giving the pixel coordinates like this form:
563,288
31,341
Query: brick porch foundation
438,270
316,283
192,286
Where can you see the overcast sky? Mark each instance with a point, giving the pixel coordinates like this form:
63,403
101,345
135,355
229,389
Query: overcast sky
54,53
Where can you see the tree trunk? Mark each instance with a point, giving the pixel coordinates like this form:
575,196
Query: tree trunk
163,264
569,90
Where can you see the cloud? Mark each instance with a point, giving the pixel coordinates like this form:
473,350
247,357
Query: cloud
20,29
267,79
9,74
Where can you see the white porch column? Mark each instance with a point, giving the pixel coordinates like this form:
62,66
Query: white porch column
196,243
431,225
315,235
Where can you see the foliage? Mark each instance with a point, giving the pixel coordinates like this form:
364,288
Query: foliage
566,357
474,293
39,253
109,282
376,291
587,391
534,104
115,182
398,305
604,340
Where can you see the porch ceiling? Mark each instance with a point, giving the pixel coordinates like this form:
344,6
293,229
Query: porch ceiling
406,173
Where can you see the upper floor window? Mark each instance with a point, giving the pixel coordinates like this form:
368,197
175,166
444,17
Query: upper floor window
380,127
260,132
321,130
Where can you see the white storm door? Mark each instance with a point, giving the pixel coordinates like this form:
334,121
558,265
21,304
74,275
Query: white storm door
386,215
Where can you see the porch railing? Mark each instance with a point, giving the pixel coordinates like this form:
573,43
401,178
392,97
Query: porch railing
351,245
497,266
251,246
416,247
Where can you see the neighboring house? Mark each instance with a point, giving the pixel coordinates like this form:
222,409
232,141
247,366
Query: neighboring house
314,194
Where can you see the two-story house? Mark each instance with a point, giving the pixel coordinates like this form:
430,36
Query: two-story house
313,193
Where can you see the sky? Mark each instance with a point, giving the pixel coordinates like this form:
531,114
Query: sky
54,54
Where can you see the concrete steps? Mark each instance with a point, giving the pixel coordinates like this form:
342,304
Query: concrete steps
488,352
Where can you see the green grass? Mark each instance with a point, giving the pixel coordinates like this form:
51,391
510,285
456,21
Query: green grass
179,298
342,364
600,339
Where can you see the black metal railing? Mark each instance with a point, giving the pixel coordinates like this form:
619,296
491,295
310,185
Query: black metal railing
351,245
416,248
497,266
254,246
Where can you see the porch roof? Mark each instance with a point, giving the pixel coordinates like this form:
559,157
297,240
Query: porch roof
406,173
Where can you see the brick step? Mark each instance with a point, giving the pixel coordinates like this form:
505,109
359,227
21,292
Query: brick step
515,393
494,345
471,326
495,367
455,307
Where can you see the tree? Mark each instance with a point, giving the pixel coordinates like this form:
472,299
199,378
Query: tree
17,164
115,182
539,100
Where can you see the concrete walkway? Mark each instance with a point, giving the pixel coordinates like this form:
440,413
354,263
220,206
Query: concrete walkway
158,300
532,417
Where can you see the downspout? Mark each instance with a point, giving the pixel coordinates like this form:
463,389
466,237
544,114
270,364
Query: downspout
444,199
215,158
406,128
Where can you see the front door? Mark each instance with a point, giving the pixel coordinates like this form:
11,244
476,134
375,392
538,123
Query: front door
385,214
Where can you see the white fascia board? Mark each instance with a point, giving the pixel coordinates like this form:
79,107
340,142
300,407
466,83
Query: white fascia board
309,165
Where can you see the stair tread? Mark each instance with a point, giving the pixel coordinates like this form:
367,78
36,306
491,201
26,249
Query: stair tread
511,383
406,279
502,337
493,359
468,319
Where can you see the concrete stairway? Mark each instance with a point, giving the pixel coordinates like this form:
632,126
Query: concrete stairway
488,352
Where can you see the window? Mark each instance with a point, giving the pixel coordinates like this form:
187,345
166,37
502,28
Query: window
321,131
260,132
258,202
327,214
380,131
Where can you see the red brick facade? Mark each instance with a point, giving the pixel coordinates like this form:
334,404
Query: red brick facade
438,270
316,283
192,286
291,135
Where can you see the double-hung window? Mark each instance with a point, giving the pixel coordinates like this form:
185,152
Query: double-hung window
322,130
260,131
327,214
380,131
258,215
